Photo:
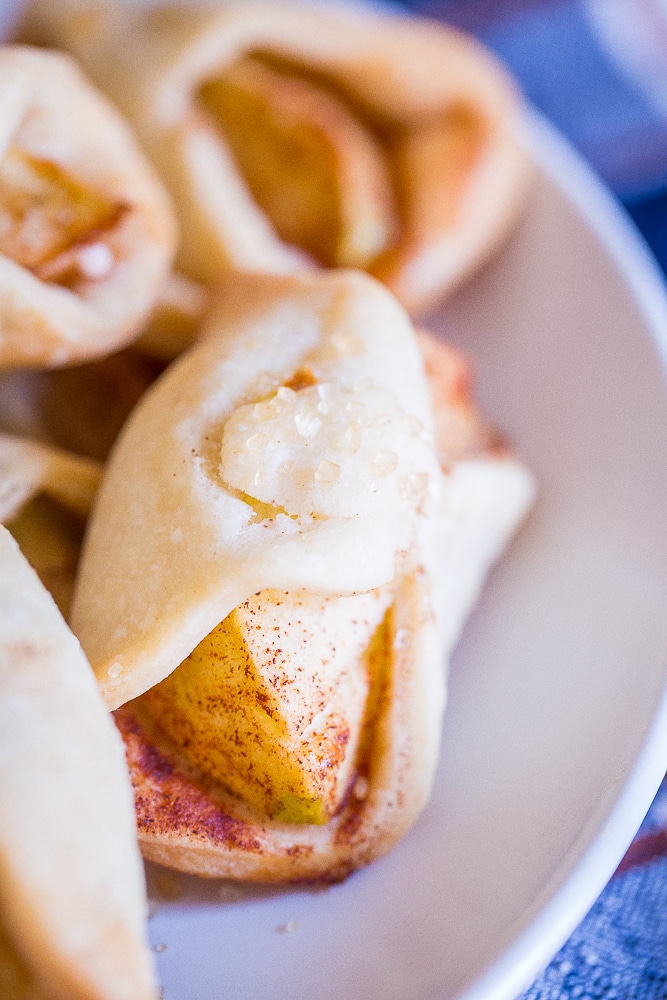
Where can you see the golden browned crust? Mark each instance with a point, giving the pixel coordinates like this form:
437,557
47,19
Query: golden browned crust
443,113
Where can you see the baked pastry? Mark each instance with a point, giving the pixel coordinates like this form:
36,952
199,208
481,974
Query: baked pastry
295,134
72,896
45,497
79,408
87,231
270,604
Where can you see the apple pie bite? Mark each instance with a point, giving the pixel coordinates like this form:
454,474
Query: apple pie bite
270,606
87,232
301,135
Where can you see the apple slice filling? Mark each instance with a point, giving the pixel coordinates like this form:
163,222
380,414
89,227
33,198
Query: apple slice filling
272,703
317,172
53,225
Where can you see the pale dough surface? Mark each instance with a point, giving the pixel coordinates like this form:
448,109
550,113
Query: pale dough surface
72,896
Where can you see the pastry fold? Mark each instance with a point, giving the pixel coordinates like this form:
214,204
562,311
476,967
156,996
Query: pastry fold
205,484
295,134
291,456
72,895
87,231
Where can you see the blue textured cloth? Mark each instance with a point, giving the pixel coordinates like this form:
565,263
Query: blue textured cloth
619,952
596,69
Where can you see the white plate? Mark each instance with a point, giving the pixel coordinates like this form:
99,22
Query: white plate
556,733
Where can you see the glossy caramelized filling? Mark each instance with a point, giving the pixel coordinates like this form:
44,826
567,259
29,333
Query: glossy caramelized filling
51,224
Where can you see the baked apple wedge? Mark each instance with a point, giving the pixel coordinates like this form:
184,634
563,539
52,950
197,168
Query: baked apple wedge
272,702
317,173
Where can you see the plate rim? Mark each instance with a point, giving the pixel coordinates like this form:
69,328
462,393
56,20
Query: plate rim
536,946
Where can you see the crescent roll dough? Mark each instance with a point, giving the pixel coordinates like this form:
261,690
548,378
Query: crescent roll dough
87,232
282,505
72,895
292,134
